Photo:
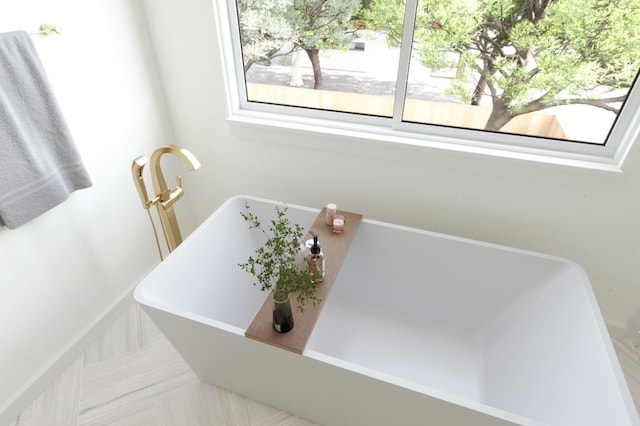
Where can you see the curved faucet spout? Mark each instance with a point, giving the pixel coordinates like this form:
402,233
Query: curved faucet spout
159,183
166,196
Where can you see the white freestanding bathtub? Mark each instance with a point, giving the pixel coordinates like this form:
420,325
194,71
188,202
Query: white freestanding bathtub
420,328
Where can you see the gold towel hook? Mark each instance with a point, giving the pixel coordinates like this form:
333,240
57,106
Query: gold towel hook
48,29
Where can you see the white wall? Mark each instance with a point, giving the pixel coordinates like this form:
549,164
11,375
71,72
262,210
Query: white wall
63,271
589,217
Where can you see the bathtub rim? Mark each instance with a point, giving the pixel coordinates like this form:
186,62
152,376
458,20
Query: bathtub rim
406,228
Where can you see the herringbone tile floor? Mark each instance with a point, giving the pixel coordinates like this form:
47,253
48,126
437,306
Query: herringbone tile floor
133,376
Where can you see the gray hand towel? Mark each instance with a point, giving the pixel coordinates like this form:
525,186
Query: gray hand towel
39,163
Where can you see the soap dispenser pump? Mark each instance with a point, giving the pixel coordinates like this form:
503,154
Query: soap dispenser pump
316,260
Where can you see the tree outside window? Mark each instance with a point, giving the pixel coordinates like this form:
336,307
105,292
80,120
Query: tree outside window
535,67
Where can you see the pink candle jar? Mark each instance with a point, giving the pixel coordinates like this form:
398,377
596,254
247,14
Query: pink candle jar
338,224
331,213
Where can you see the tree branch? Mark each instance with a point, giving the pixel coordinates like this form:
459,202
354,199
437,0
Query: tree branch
541,103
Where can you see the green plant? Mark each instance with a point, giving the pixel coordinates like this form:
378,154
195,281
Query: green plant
274,263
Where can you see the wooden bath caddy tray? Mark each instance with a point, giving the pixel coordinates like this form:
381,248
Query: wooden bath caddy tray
335,247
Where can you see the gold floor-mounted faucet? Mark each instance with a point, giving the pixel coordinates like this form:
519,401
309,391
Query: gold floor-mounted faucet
165,197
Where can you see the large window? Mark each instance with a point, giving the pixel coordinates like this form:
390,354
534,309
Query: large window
551,78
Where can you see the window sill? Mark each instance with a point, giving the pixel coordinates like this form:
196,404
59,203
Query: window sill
379,139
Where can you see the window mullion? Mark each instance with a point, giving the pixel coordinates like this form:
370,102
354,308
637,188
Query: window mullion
411,8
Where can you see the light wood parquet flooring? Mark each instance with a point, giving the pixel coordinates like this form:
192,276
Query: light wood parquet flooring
133,376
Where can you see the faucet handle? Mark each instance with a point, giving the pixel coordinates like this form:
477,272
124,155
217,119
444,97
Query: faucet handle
137,168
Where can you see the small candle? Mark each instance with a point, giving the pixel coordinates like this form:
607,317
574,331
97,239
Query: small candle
331,213
338,224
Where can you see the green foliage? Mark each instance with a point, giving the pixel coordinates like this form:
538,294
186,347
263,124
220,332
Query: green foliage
562,48
274,264
583,44
322,24
529,54
386,15
264,28
268,25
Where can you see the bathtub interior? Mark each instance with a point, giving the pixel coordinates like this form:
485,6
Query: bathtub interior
202,278
500,327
